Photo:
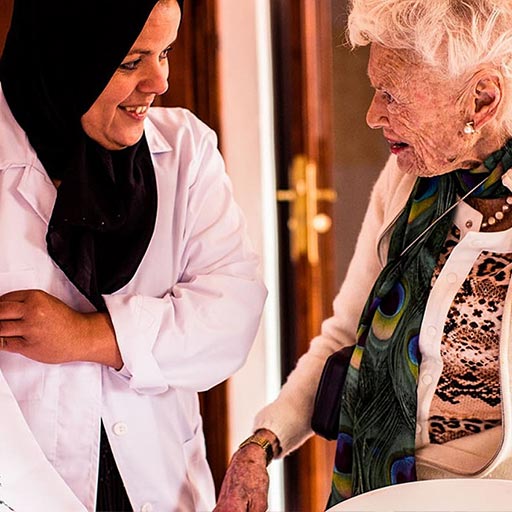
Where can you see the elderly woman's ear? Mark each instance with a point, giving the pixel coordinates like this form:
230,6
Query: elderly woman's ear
487,89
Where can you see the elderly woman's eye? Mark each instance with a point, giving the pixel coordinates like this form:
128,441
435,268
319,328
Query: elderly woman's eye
387,97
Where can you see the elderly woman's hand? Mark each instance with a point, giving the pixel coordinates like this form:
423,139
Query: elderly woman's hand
245,486
43,328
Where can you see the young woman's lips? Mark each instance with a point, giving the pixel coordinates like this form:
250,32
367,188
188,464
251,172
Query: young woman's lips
136,112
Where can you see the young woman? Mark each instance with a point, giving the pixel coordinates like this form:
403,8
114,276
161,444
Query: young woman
127,282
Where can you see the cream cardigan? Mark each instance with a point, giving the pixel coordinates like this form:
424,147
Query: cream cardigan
290,414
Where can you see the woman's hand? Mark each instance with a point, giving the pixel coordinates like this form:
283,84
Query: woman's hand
245,486
43,328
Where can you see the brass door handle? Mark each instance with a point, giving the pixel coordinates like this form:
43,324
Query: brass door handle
304,222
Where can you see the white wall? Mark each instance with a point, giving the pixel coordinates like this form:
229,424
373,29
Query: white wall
247,146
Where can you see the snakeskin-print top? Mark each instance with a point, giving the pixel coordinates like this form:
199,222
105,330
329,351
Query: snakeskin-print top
467,397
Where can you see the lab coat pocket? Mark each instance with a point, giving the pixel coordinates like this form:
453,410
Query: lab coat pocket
24,376
198,472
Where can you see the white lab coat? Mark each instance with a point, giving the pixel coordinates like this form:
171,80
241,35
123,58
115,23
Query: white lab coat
184,323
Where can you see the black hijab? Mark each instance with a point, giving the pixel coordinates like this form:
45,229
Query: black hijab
58,58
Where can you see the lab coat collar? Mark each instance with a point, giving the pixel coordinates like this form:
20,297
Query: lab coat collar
157,143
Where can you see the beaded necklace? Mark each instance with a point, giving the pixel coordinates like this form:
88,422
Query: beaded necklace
499,215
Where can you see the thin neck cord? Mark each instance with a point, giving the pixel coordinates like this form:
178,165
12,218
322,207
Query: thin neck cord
448,210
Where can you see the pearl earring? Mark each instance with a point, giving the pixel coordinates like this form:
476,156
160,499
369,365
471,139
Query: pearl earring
469,128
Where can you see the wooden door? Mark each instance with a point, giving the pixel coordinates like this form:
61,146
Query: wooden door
321,96
194,54
303,99
5,20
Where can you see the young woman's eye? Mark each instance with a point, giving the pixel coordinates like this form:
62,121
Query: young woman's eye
166,52
130,66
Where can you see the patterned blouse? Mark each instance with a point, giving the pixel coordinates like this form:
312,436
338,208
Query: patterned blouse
467,397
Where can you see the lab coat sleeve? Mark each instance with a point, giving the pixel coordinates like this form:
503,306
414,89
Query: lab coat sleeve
201,331
289,416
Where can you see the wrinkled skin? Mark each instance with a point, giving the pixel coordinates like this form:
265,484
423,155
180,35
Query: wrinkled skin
245,485
418,107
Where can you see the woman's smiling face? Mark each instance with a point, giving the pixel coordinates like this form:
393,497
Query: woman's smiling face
421,113
116,119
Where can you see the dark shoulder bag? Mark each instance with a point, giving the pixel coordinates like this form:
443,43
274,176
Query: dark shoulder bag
326,411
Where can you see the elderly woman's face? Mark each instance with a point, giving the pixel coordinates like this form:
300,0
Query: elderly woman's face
116,118
420,114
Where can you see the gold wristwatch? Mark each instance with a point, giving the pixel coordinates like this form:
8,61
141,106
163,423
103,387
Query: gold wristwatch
262,443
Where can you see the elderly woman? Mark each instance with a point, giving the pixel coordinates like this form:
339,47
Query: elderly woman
426,300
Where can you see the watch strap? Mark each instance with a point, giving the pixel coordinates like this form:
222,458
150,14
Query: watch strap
262,443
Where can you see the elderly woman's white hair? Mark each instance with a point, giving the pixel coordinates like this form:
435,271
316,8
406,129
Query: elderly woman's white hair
456,36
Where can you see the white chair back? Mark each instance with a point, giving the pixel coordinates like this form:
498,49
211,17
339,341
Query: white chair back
454,495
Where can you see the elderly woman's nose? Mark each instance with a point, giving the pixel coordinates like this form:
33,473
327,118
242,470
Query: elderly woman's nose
376,117
157,79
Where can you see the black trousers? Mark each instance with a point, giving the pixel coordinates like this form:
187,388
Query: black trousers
112,495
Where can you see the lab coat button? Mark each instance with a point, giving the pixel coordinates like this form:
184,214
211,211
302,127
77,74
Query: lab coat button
147,507
120,428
